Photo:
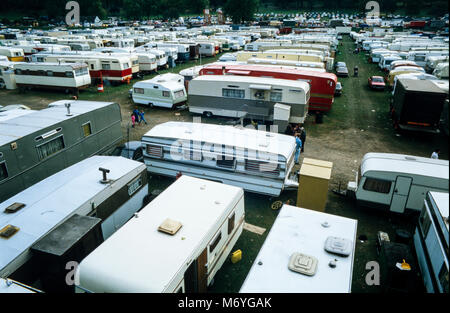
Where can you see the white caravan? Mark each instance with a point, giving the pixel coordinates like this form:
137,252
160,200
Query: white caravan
65,76
398,182
165,91
255,160
302,231
177,243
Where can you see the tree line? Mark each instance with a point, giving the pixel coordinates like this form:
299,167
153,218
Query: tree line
239,10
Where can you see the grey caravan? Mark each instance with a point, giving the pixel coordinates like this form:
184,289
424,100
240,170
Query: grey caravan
248,97
398,182
41,143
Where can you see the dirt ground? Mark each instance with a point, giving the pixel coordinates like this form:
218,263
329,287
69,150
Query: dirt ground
357,124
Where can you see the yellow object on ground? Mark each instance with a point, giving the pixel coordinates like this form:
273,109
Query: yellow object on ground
313,184
236,256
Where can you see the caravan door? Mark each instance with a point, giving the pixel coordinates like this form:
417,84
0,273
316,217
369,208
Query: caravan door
196,277
400,194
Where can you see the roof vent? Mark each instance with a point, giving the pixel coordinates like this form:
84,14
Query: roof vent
67,105
303,264
339,246
8,231
105,180
169,226
13,208
410,158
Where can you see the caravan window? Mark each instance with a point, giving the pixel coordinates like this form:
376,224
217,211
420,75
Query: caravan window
233,93
275,96
377,185
425,222
69,74
419,58
47,149
225,161
154,151
87,129
3,171
215,243
139,90
262,167
231,223
106,66
179,93
165,93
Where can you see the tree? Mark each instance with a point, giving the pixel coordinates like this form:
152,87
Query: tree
241,10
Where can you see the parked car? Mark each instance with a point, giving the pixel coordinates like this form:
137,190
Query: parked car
342,71
130,150
338,90
340,64
377,83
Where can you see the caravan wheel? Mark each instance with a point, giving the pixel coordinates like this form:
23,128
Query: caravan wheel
208,114
2,84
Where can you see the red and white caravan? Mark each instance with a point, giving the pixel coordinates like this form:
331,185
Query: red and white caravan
322,85
113,68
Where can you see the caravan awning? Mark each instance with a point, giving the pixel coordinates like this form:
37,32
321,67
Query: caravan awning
261,87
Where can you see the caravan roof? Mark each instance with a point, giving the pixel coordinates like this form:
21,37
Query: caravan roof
47,203
401,163
11,114
300,230
419,85
226,135
13,129
256,80
149,258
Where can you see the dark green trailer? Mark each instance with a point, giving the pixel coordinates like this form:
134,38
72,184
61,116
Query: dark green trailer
38,144
417,105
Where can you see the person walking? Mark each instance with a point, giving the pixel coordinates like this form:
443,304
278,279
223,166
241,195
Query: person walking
141,117
435,154
133,119
289,130
298,147
303,138
136,115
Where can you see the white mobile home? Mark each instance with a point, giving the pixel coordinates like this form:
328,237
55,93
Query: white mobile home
302,235
78,189
165,90
248,97
431,242
65,76
398,182
257,161
140,257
